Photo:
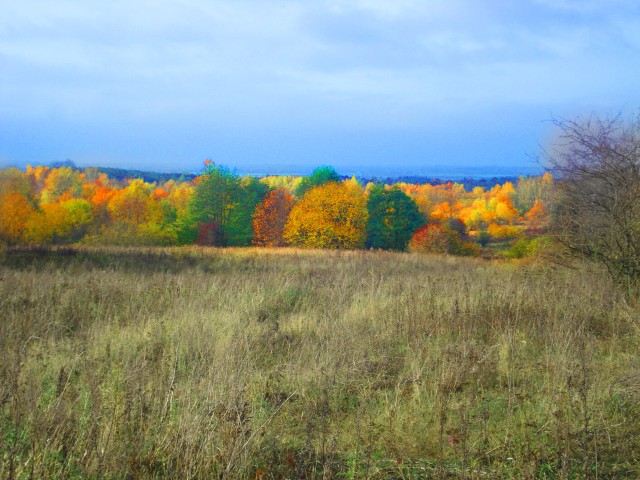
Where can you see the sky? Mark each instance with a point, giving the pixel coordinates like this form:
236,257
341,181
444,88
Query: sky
395,87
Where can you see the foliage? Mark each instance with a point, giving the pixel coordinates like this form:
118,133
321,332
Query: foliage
319,176
250,194
13,180
271,217
530,190
432,238
15,211
131,204
333,215
519,249
435,238
393,217
287,182
215,197
61,181
502,232
220,208
127,234
67,220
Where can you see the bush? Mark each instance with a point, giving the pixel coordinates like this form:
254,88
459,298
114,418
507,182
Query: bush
434,238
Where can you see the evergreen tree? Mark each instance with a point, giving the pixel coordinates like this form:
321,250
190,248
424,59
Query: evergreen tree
393,217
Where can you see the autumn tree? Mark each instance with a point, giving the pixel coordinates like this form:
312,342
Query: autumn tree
333,215
271,217
37,175
131,204
180,200
288,182
537,217
15,211
432,238
436,238
60,181
505,212
597,209
530,190
61,222
138,217
13,180
393,217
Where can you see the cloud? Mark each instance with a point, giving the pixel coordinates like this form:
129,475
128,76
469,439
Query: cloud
350,64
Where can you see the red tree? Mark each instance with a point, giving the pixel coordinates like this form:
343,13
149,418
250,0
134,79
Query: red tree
270,218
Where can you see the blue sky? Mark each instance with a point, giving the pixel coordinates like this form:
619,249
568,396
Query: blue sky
272,86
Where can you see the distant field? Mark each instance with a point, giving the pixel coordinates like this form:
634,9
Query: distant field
263,363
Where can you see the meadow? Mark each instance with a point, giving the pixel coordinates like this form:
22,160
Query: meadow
192,362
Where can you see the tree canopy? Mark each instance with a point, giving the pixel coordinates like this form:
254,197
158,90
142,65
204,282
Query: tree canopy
65,204
319,176
333,215
271,217
393,217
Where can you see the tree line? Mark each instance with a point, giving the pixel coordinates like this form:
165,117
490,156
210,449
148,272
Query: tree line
44,205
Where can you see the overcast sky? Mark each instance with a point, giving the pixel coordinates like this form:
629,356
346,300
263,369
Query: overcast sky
282,85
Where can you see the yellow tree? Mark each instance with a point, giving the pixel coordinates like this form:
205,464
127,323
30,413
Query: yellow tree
131,204
505,212
62,221
333,215
60,181
37,176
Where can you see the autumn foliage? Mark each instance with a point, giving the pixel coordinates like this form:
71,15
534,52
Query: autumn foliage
429,239
333,215
46,205
15,212
271,217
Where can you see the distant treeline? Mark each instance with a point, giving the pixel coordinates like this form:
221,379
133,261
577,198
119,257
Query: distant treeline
469,183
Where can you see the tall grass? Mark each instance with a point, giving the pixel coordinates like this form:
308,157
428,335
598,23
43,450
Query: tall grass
198,363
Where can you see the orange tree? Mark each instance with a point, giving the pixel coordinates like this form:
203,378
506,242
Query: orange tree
432,238
270,218
333,215
15,211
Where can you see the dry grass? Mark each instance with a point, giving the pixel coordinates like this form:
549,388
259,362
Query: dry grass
202,363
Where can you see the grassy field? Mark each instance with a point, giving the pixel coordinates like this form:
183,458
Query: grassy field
258,364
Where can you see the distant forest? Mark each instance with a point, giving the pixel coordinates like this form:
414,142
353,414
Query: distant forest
161,177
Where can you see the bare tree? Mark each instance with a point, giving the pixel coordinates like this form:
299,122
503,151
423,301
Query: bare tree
597,215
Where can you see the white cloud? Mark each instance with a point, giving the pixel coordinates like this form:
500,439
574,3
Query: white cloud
257,59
